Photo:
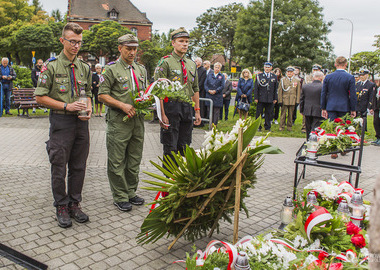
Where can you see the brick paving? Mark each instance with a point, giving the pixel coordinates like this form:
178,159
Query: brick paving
108,241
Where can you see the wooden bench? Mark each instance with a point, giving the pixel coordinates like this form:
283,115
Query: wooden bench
24,99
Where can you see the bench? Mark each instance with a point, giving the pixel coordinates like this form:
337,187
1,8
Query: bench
24,99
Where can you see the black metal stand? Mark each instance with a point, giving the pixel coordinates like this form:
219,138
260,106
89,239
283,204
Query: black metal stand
21,259
352,168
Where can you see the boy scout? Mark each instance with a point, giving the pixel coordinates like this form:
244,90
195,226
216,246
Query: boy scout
125,140
289,92
177,117
59,86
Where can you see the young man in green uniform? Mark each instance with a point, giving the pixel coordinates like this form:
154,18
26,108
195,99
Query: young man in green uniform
125,140
177,117
59,86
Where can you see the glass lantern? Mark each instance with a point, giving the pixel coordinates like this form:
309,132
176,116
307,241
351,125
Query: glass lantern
286,212
344,211
312,148
242,262
357,209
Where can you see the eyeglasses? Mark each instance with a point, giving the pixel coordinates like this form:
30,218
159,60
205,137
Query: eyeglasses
73,42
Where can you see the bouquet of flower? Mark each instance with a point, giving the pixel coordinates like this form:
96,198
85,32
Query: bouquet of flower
162,89
200,170
332,243
338,135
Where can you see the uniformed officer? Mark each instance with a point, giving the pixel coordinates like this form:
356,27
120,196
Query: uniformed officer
59,86
364,92
289,92
265,94
177,117
309,78
125,140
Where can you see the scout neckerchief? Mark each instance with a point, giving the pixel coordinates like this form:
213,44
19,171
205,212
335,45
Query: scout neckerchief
184,71
134,79
73,81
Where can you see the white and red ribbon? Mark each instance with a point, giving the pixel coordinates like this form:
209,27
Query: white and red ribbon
316,218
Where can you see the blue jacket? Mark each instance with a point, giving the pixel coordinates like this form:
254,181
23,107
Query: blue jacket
215,83
338,92
245,87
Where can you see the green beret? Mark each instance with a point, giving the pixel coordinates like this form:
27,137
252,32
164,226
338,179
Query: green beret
128,40
180,32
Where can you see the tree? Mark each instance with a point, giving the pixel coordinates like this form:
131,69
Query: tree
369,60
299,34
101,39
37,6
14,10
57,15
215,31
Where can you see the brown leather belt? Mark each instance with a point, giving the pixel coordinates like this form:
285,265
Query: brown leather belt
63,112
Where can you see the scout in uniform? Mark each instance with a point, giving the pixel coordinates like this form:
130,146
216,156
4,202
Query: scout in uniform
265,94
177,117
364,91
125,140
59,86
289,92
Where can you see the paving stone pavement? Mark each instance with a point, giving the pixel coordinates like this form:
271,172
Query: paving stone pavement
108,241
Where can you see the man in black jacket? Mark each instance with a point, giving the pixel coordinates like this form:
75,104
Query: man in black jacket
265,94
310,103
364,91
36,71
202,74
226,97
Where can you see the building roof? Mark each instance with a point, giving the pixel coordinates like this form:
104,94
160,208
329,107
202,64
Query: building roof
99,10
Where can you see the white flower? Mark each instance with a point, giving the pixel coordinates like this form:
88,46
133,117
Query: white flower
364,251
351,129
309,259
315,245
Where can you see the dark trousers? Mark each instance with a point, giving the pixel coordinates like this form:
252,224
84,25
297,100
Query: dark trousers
376,123
266,108
226,105
215,114
179,133
68,145
276,111
202,104
334,114
311,122
7,96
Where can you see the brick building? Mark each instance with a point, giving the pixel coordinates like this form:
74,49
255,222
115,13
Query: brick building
89,12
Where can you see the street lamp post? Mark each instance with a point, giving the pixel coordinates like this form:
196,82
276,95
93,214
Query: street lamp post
270,31
352,33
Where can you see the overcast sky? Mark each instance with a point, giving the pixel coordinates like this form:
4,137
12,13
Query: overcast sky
166,14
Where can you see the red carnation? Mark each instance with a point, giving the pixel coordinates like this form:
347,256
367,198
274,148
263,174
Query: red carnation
340,199
338,120
322,255
352,229
358,240
336,266
342,124
348,122
166,99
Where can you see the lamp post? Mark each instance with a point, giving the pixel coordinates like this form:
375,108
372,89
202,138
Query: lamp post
270,31
352,33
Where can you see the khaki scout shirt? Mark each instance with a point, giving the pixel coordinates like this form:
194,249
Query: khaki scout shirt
170,67
55,79
289,91
118,81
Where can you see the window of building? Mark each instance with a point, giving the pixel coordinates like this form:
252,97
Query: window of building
113,14
134,31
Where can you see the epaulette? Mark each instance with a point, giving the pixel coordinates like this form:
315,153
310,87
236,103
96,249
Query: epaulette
51,59
166,56
140,65
44,67
111,63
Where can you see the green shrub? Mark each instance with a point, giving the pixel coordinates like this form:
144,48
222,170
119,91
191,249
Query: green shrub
23,79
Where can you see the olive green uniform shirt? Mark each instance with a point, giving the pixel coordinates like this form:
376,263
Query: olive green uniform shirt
170,67
55,80
117,80
289,91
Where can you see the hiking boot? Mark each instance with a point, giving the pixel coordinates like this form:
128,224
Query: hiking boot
76,212
137,200
63,217
123,206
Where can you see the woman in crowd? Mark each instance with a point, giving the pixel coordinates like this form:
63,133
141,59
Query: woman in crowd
276,110
214,86
244,90
95,88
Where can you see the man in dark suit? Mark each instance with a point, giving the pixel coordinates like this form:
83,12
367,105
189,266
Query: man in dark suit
364,92
202,74
265,94
338,95
310,103
226,97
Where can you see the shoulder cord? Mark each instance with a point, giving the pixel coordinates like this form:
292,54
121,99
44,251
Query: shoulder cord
282,85
263,85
